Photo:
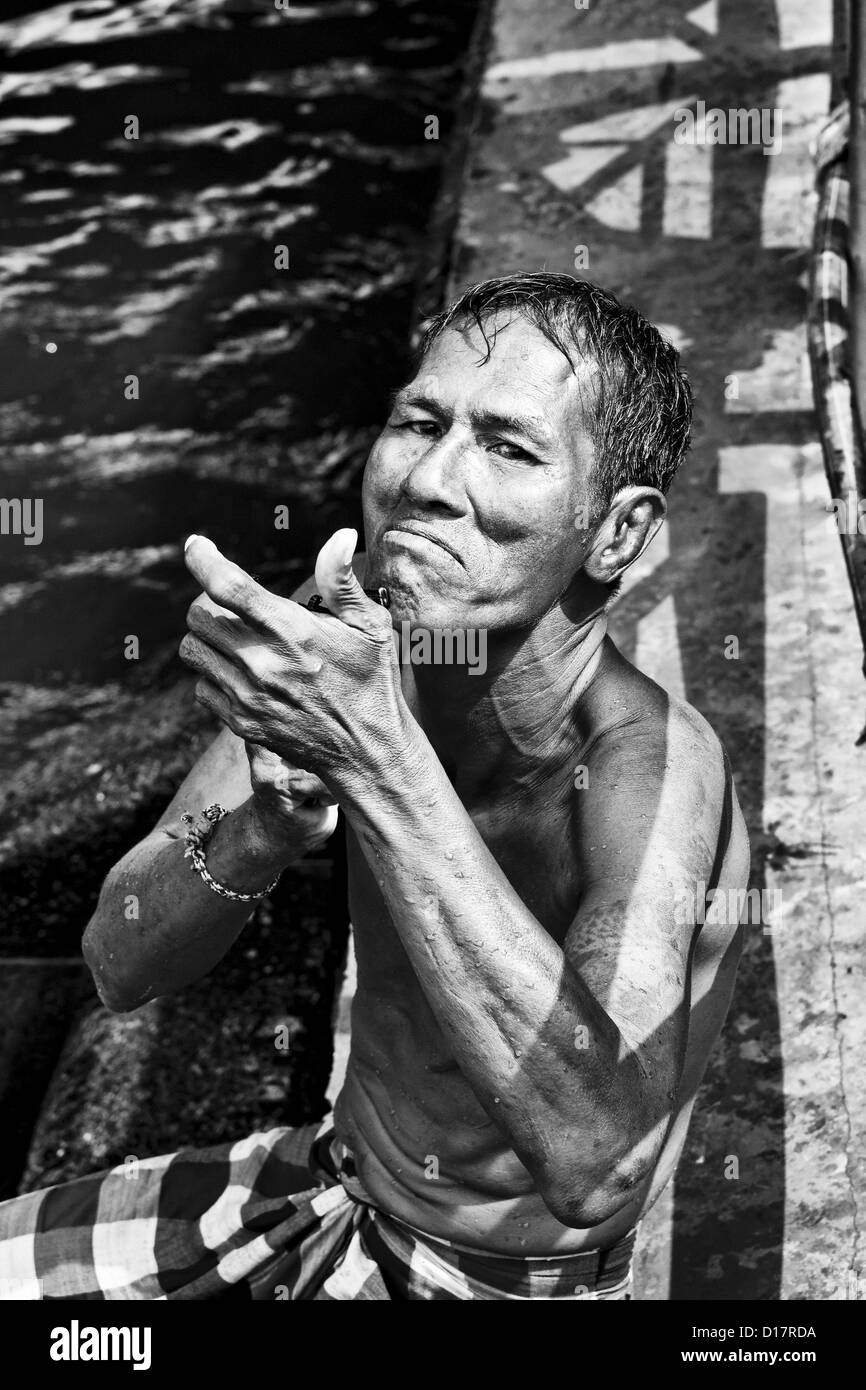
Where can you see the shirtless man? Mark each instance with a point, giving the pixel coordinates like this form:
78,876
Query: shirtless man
532,1011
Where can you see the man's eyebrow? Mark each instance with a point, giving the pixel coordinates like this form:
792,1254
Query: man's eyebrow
492,420
532,428
404,395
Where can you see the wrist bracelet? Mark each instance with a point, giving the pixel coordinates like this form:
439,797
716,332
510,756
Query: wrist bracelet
197,837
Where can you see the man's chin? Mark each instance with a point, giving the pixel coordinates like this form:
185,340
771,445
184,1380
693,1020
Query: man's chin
415,596
420,610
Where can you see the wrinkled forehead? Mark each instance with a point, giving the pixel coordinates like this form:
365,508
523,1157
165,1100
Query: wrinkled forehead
524,373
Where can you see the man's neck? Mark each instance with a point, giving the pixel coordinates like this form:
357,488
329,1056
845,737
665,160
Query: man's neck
518,715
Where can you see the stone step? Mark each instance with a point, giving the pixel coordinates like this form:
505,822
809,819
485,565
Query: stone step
247,1048
37,1001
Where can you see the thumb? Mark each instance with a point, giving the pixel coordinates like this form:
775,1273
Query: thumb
338,584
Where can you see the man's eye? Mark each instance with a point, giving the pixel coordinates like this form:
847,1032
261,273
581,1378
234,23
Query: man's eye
425,427
509,450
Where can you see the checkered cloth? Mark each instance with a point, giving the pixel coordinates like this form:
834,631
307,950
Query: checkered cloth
280,1215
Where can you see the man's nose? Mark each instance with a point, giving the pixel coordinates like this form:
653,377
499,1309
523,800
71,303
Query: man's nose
436,477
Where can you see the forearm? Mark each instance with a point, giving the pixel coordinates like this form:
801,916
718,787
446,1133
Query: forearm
540,1052
158,927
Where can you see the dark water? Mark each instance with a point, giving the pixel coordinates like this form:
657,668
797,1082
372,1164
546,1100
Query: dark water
257,387
155,257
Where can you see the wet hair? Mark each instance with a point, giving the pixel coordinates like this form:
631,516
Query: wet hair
640,415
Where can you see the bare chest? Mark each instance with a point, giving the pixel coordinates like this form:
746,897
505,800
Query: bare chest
530,835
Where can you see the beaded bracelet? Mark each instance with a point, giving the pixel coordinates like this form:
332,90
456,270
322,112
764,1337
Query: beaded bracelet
197,837
316,603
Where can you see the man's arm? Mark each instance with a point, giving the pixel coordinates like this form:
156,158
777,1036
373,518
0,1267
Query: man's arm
588,1121
157,927
576,1050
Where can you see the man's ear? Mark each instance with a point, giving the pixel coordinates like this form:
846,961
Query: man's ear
632,519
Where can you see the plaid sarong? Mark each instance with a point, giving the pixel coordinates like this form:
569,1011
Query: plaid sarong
279,1215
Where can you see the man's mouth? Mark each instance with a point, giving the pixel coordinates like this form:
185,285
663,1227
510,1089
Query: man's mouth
417,528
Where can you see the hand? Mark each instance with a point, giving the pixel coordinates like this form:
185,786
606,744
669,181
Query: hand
291,806
322,692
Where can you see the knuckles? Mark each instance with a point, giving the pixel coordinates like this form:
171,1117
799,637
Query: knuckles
241,594
204,621
264,686
255,665
195,615
269,679
259,701
190,650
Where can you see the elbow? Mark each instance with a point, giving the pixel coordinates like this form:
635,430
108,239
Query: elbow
119,995
592,1206
582,1197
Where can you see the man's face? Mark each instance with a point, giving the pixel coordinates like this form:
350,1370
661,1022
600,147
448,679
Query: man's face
486,466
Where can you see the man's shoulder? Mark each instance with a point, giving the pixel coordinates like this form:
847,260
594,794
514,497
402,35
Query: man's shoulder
658,794
635,721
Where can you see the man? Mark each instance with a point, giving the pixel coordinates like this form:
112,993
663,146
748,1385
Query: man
534,1009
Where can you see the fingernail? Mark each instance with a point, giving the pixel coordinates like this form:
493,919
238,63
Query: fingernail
350,541
188,542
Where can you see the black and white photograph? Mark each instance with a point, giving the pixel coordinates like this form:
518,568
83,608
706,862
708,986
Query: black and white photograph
432,699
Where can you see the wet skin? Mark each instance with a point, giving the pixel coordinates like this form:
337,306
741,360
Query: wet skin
532,1016
407,1098
504,503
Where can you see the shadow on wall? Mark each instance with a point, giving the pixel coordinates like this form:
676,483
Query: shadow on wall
727,1237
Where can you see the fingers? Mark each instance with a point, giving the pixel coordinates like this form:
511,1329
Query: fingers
338,584
306,791
213,699
216,670
307,787
226,583
271,769
222,630
207,605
